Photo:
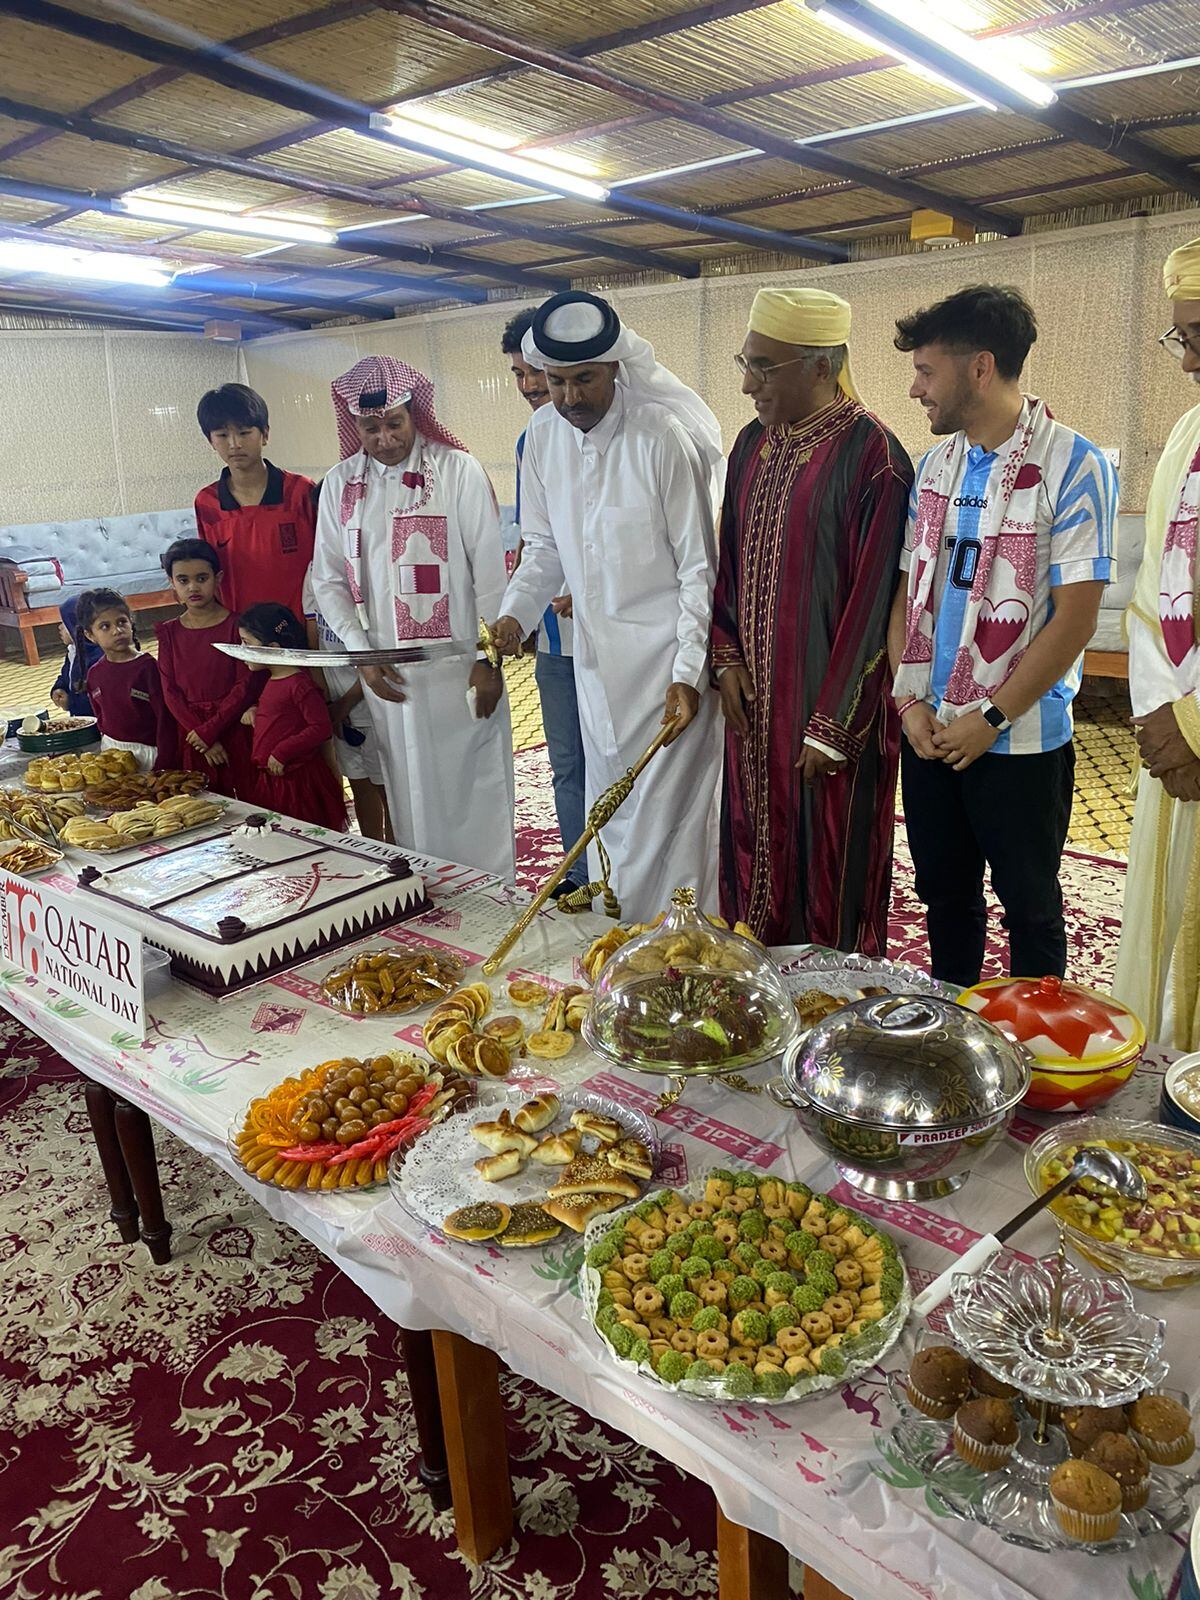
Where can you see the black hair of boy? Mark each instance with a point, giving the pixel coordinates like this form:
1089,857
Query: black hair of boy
986,316
274,625
190,550
232,405
515,331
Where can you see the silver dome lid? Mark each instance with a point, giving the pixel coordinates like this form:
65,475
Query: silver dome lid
908,1062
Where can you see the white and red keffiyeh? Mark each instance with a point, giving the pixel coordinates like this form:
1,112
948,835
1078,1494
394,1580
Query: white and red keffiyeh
372,387
1003,586
378,384
1177,584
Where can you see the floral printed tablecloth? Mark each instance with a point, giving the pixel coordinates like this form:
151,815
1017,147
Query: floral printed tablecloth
819,1476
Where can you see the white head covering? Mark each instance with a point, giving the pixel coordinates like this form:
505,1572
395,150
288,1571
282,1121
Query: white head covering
574,328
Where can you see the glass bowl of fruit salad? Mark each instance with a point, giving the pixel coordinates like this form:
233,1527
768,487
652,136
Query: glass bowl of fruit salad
1153,1243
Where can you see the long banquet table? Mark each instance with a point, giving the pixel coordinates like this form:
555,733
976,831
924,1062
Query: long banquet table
817,1476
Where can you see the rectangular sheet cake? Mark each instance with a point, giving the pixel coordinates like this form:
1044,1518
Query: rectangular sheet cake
235,909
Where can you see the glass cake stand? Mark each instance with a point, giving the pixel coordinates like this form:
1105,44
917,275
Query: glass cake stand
1060,1339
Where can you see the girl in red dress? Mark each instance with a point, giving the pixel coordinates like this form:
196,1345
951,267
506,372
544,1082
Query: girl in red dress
123,685
293,772
206,691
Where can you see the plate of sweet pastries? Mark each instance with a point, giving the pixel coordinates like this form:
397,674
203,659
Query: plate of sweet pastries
744,1286
522,1168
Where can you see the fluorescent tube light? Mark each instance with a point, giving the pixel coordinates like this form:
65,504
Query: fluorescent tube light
486,158
918,21
195,216
63,261
861,33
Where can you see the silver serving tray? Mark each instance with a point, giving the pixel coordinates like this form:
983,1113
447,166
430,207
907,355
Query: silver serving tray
436,1176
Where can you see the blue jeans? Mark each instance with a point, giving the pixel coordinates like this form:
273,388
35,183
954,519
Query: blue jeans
555,677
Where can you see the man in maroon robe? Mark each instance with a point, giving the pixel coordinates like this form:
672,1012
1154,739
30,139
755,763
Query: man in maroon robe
811,533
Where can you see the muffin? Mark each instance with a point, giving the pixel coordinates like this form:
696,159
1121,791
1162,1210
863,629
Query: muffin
993,1388
938,1381
1123,1459
985,1432
1086,1501
1163,1428
1085,1424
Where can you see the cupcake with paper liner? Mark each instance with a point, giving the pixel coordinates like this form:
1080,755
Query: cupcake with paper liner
938,1381
985,1433
1086,1501
1163,1428
1083,1425
1123,1459
988,1387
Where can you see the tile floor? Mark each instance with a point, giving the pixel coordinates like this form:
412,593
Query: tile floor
1104,744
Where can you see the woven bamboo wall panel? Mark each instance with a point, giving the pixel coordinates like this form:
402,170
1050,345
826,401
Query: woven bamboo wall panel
132,400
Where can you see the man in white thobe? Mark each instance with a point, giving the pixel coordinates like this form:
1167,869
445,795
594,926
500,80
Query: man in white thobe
618,485
408,548
1158,963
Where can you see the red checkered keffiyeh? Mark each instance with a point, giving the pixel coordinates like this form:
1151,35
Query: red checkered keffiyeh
397,383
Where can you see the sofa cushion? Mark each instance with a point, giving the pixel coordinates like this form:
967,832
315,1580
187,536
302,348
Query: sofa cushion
103,551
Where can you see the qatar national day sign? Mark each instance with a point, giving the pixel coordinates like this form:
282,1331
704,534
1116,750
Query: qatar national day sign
57,940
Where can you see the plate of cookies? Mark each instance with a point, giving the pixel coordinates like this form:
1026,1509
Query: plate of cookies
745,1287
520,1169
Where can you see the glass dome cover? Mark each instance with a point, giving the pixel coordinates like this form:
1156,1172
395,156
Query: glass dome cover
688,998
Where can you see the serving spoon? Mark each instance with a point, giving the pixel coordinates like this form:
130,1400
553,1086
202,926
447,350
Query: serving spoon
1108,1167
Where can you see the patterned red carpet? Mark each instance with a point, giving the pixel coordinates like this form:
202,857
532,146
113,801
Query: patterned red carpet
237,1425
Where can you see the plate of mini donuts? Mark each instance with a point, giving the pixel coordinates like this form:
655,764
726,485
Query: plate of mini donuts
744,1286
521,1167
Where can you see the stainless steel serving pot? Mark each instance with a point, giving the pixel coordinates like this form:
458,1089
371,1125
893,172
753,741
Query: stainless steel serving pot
904,1092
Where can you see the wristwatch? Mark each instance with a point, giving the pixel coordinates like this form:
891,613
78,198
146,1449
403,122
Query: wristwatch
995,717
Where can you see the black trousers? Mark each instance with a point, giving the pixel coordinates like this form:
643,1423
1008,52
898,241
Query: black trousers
1009,813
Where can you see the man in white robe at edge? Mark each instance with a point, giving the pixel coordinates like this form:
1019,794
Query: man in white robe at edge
1158,962
408,549
618,485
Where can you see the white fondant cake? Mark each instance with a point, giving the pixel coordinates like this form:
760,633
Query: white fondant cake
235,909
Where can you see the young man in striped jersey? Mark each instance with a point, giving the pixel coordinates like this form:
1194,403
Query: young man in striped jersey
1008,548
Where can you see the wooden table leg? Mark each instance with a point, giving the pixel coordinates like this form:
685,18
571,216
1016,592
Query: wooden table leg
100,1110
136,1135
427,1413
749,1565
476,1447
818,1588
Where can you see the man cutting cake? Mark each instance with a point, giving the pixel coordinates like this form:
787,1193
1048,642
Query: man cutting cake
618,485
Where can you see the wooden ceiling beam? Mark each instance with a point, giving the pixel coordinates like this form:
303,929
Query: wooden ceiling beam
694,113
87,127
248,76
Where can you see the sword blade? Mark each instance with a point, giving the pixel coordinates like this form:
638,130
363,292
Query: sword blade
396,655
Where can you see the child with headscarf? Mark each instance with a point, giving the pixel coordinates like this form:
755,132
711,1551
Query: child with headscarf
69,690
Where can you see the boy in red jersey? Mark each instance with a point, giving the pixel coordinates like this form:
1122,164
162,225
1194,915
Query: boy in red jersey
259,519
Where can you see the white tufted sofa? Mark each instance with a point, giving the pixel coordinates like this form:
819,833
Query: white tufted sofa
1108,654
44,563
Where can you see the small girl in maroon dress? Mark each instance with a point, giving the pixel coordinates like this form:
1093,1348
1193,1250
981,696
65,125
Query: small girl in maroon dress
291,726
123,685
205,690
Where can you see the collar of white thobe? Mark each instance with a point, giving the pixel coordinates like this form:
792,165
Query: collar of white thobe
378,468
602,435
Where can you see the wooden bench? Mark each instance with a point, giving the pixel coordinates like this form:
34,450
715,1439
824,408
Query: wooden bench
16,611
1105,664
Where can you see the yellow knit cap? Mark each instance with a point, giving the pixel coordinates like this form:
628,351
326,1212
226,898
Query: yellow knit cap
805,317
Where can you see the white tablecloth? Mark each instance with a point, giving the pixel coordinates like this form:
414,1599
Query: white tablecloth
814,1475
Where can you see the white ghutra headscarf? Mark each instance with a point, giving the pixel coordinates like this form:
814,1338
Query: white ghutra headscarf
574,328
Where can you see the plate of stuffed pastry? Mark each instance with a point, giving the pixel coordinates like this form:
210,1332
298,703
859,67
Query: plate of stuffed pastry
520,1168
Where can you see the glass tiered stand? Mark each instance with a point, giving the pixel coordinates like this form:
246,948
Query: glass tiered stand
1060,1339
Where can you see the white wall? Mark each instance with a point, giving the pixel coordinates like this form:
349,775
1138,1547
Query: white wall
103,423
1097,292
